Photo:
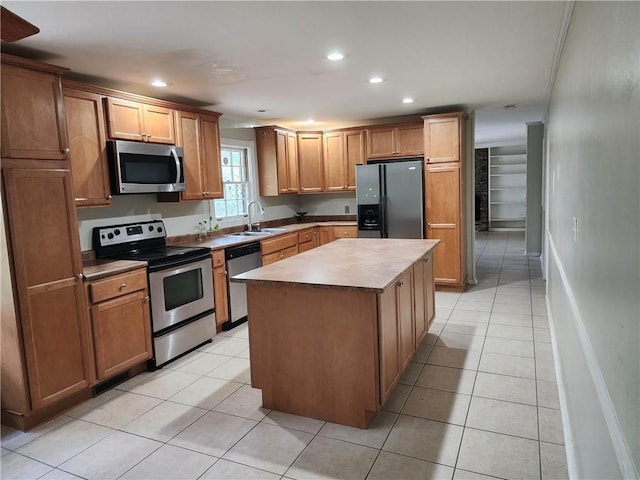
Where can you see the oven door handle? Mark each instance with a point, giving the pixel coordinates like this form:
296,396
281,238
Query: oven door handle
176,263
174,154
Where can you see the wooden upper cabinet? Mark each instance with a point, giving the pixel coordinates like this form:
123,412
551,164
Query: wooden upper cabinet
388,141
443,137
129,120
277,161
343,151
48,285
86,131
310,162
198,136
33,124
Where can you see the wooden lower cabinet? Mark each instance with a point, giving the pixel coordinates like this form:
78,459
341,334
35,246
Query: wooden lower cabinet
345,232
46,351
326,235
220,289
423,297
279,248
306,240
397,332
121,323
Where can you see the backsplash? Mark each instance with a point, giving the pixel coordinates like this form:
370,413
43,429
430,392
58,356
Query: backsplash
182,218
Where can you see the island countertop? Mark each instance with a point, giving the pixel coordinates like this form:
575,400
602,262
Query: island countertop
353,263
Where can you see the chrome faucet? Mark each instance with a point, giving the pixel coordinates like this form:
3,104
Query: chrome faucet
254,226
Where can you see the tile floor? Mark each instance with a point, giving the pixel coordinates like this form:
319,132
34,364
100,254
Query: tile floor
478,401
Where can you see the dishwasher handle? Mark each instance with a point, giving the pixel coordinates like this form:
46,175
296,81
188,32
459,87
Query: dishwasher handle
241,250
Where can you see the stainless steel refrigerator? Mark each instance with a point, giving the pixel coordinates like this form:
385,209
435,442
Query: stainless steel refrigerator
390,199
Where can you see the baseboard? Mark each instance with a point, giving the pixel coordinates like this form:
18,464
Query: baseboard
620,446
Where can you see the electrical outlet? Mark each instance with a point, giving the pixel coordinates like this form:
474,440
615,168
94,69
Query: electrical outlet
347,209
574,229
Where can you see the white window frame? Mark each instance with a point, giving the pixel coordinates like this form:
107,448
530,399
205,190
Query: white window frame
252,167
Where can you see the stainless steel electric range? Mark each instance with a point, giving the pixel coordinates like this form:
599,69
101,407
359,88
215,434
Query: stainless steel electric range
180,285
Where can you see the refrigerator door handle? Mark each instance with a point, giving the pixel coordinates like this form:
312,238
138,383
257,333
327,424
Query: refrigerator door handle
384,229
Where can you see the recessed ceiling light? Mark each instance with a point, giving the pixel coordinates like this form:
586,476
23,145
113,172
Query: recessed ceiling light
159,83
511,106
335,56
262,110
407,100
310,121
376,80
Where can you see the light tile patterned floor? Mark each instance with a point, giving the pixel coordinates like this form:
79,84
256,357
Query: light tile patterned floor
479,400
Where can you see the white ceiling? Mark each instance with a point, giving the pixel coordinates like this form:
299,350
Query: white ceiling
238,57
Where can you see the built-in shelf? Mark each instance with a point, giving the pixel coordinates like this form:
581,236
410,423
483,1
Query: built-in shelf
507,187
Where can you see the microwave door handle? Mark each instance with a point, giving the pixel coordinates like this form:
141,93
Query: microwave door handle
177,160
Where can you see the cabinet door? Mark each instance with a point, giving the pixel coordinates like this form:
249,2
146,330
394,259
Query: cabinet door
33,123
410,140
406,328
292,161
381,143
86,130
388,341
442,139
282,161
326,235
354,155
220,295
158,124
310,162
420,301
334,166
430,290
443,220
188,138
211,158
51,297
125,119
121,333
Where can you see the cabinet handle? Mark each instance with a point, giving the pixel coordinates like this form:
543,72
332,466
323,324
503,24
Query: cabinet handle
66,150
123,286
400,284
146,299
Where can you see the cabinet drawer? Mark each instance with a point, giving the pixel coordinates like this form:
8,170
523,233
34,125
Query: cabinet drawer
304,246
280,243
345,232
118,285
217,258
279,255
305,236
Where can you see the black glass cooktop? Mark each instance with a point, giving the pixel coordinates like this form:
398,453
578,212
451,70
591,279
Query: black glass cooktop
165,254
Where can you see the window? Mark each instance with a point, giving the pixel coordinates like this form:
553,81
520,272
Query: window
235,183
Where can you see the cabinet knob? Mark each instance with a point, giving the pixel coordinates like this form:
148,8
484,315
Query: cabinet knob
146,299
124,285
282,255
108,197
80,276
427,260
400,284
66,150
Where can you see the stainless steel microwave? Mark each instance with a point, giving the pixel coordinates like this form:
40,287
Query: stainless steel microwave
137,167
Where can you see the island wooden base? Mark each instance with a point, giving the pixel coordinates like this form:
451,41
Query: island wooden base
314,351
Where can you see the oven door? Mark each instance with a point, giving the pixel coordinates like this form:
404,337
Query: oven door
179,293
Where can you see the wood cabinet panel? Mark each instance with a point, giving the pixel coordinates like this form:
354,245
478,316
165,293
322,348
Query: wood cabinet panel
310,162
33,124
278,243
277,161
129,120
326,235
345,232
292,163
420,302
442,138
402,140
211,157
158,124
388,341
446,256
189,137
410,140
278,255
87,142
217,258
121,333
334,162
354,155
305,246
430,292
305,236
50,293
406,327
220,295
118,285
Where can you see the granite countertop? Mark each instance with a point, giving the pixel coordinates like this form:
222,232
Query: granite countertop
223,241
96,269
356,263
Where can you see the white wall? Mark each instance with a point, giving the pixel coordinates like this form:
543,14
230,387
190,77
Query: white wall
329,203
593,174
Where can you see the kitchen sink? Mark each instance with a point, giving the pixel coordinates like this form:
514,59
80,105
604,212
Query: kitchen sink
272,230
251,234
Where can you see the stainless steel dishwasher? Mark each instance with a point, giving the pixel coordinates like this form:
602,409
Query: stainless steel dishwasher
240,259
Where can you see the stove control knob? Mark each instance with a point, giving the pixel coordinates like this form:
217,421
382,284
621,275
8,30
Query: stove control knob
159,229
110,235
151,228
117,231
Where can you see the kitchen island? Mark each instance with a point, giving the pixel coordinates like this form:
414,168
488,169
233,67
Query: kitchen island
332,330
